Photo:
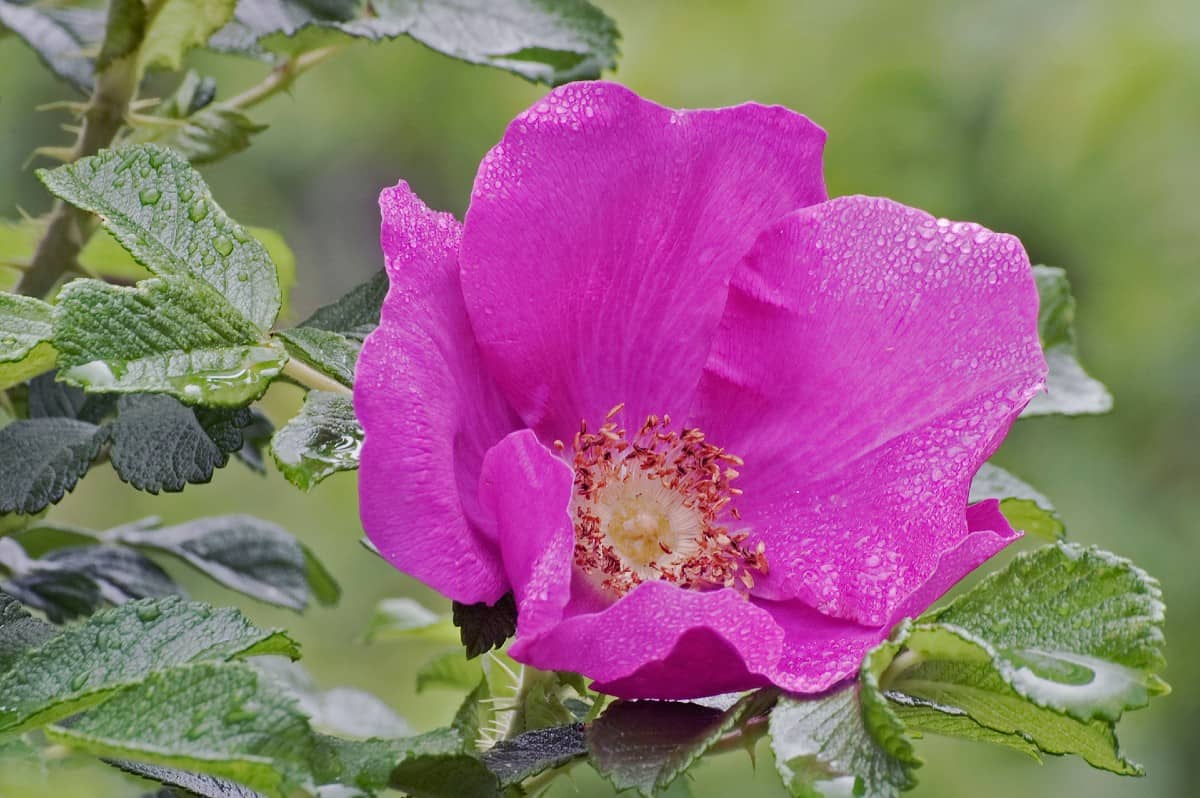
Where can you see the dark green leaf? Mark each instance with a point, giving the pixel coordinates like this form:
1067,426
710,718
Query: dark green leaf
533,752
243,553
550,41
1072,629
41,459
170,335
823,748
946,683
121,574
438,765
61,595
59,44
256,436
323,439
49,398
19,631
191,783
115,648
356,313
1069,389
1024,507
646,745
330,353
162,444
160,209
482,626
26,331
225,719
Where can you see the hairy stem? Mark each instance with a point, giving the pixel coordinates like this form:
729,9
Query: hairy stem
280,78
69,227
308,377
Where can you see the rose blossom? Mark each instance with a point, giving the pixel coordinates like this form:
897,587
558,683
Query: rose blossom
713,430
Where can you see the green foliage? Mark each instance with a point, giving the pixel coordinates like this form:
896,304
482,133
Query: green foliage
485,626
534,752
404,618
323,439
549,41
646,745
58,36
1024,507
1069,389
25,339
177,26
161,210
42,458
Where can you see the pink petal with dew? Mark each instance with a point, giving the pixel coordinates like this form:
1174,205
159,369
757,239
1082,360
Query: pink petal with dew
869,360
601,235
430,412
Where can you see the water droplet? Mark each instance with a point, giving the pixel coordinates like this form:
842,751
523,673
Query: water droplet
198,210
79,680
149,196
148,613
223,245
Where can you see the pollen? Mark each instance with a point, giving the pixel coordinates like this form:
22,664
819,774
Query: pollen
658,504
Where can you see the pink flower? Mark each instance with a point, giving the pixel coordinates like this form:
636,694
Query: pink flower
713,430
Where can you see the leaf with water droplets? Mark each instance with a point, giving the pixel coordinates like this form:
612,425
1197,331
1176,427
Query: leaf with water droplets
323,439
224,719
87,662
947,683
1069,389
168,335
328,352
538,40
247,554
161,210
1024,507
26,332
646,745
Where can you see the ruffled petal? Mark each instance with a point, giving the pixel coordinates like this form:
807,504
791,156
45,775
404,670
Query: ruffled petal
600,239
869,360
429,411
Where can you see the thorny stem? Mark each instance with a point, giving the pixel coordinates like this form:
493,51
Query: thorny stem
70,227
280,78
308,377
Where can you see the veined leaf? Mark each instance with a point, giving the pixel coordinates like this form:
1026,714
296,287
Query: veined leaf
160,209
330,353
179,25
169,335
41,459
26,332
533,752
86,663
1069,389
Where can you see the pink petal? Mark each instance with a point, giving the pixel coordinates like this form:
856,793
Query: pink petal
430,412
869,360
600,238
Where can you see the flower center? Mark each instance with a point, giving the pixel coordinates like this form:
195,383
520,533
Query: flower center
654,505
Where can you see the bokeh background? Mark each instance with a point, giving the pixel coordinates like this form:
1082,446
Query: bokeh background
1073,123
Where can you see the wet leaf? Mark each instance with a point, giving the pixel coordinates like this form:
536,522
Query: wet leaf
323,439
26,334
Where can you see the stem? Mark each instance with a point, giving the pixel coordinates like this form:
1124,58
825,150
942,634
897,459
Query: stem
308,377
280,78
69,227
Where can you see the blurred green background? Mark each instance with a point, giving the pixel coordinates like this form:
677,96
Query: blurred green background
1073,123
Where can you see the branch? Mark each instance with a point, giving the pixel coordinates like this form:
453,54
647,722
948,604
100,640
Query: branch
308,377
69,227
280,78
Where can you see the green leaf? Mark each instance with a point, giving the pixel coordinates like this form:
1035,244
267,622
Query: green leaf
340,711
823,747
356,313
1073,629
243,553
256,436
171,335
48,398
1069,389
948,683
41,459
160,209
49,32
533,752
191,783
178,26
404,618
549,41
646,745
115,648
438,765
1024,507
26,332
60,595
330,353
323,439
226,719
451,670
162,444
19,631
482,626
